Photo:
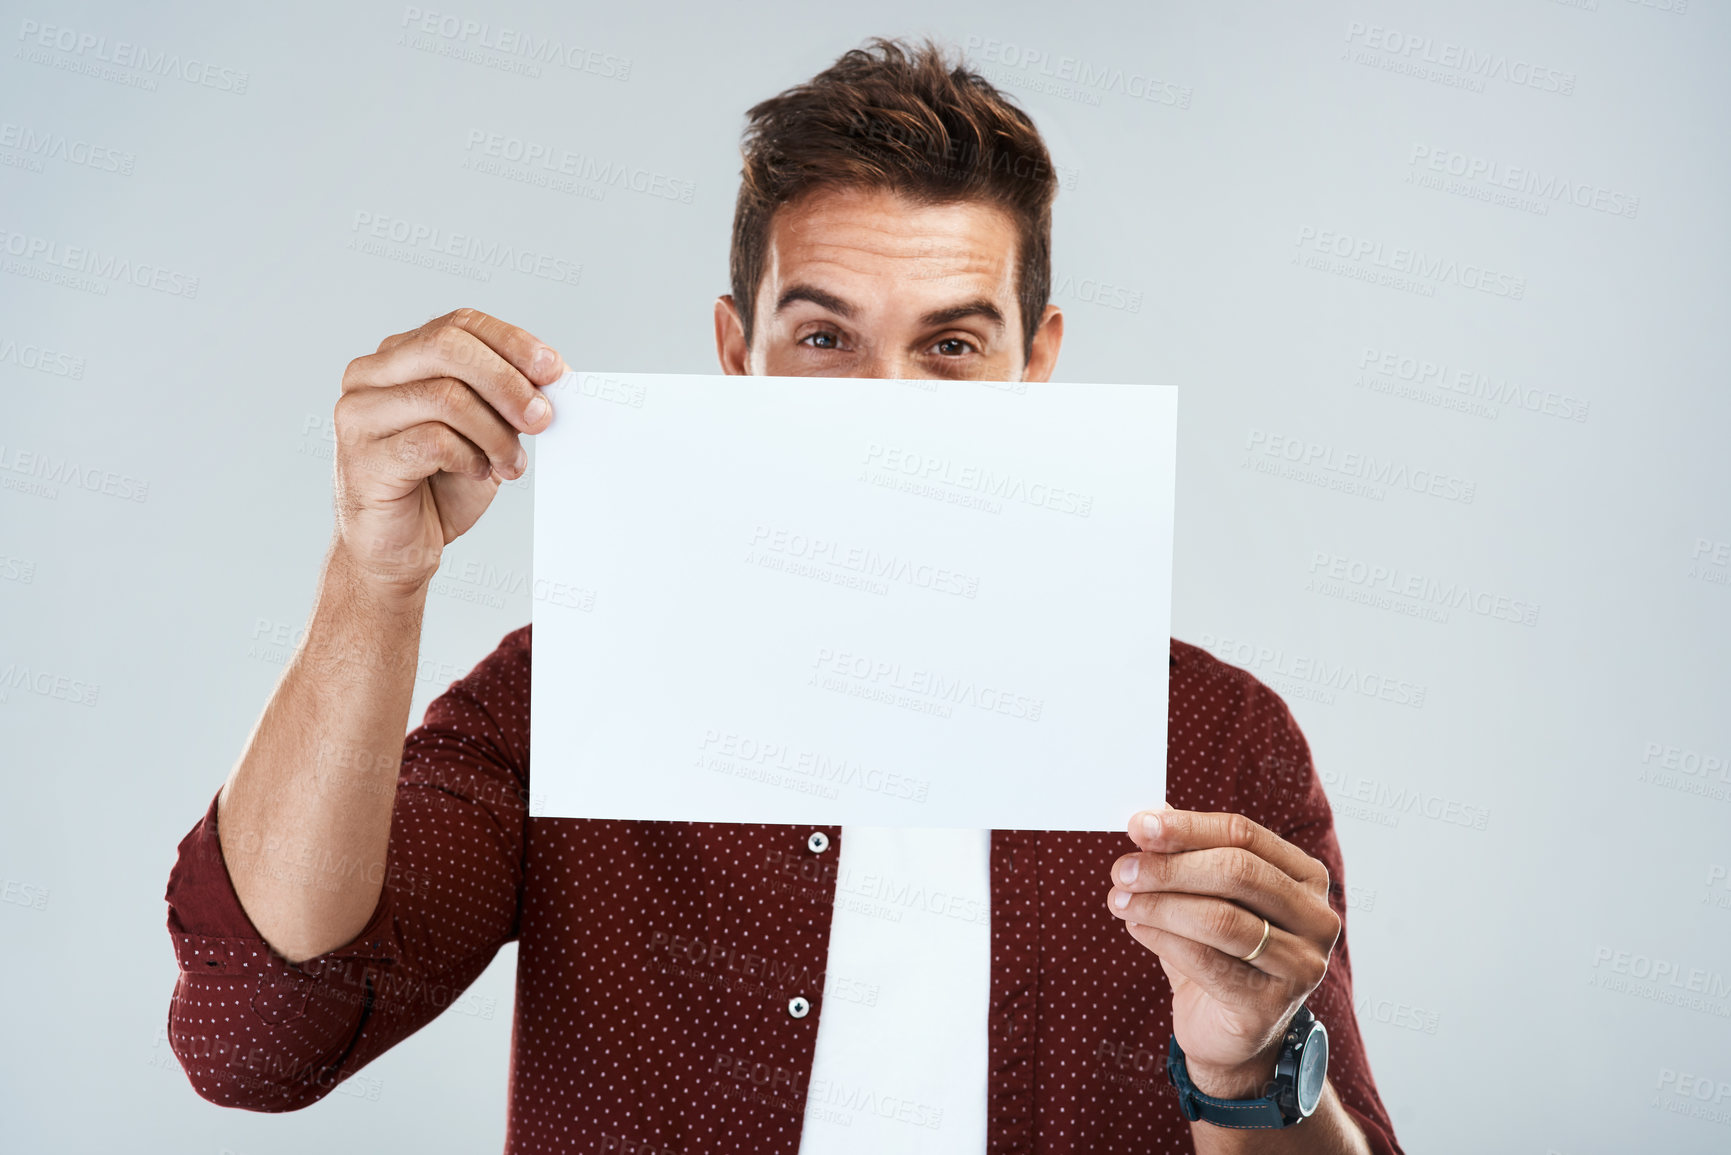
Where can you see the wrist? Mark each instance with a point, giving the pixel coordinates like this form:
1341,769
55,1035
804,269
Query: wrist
361,622
1250,1080
389,586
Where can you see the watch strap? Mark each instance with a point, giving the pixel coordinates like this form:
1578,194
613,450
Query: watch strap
1262,1114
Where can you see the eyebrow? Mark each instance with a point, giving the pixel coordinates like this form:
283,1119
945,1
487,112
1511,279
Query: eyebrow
817,297
979,307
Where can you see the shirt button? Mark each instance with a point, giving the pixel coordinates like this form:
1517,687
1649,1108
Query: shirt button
818,842
798,1007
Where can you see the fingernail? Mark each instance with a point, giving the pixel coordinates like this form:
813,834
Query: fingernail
1127,872
536,410
542,360
1121,899
522,461
1150,826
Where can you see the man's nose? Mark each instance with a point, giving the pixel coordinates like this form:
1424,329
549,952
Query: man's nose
886,365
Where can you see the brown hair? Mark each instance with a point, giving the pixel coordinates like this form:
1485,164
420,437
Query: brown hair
892,117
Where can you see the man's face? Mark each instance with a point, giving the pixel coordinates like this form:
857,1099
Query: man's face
865,283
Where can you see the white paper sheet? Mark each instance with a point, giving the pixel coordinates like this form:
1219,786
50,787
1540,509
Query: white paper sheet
852,601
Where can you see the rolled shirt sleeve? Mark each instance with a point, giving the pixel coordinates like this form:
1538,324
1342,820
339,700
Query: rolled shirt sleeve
253,1030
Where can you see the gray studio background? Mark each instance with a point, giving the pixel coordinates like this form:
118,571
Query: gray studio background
1530,784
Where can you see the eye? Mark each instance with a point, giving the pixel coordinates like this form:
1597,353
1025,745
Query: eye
953,347
820,338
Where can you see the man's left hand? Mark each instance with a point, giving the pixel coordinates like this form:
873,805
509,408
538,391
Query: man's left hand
1196,896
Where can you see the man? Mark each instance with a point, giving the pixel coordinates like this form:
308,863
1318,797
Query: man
346,884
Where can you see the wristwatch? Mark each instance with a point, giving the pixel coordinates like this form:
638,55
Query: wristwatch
1292,1095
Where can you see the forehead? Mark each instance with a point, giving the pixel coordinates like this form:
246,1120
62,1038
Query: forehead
852,233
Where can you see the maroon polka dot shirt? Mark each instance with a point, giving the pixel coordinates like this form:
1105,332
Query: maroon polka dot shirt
657,960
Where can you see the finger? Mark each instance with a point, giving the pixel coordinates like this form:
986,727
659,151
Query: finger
1172,830
1225,926
450,350
1223,978
423,450
515,344
381,412
501,362
536,360
396,339
1233,874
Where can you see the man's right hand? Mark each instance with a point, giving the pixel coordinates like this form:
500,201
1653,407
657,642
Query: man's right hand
427,429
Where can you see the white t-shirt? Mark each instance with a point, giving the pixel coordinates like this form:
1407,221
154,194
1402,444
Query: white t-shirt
901,1062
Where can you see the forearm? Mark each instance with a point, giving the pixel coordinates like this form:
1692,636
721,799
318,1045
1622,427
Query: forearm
1330,1131
304,819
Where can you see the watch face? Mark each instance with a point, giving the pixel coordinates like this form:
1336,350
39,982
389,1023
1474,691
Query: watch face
1312,1070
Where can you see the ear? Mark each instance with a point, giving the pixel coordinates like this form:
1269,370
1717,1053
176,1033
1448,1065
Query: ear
1043,358
730,347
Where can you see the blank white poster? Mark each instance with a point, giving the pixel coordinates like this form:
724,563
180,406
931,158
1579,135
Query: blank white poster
852,601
